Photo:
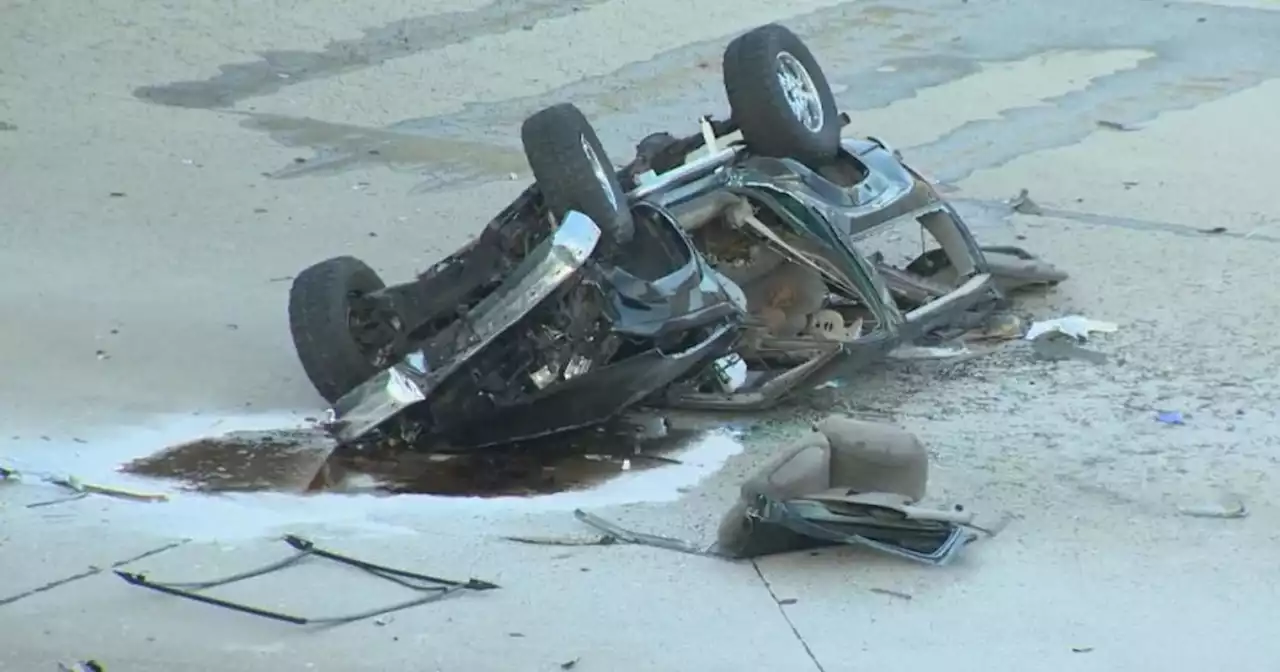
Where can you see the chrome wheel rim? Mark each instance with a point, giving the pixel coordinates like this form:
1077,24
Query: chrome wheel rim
800,91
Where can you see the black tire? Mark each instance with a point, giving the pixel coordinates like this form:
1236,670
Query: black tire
320,305
554,140
759,103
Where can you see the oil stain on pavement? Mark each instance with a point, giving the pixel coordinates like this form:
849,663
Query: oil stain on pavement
302,461
249,476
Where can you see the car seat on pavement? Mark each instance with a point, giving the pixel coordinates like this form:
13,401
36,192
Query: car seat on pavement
848,482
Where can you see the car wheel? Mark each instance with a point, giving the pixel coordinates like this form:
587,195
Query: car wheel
779,97
340,338
572,170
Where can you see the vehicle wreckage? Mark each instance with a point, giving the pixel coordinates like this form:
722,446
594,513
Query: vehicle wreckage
722,270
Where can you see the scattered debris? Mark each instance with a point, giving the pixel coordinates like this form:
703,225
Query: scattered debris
431,588
1171,417
81,489
600,540
60,500
891,593
1055,346
639,538
82,666
90,572
73,483
1231,509
1117,126
1022,203
1076,326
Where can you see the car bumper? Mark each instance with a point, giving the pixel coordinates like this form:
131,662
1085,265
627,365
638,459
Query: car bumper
413,379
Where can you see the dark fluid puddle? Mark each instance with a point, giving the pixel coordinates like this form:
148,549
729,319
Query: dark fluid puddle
305,461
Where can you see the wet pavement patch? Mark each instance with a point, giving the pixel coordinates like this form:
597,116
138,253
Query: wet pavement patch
305,461
277,69
442,161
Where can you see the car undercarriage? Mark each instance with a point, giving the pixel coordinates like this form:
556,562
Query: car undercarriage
722,270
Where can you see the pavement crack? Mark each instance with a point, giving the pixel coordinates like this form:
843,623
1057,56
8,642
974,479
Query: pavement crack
782,610
91,571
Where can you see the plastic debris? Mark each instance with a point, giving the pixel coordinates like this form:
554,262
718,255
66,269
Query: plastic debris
1056,346
598,540
1117,126
1076,326
1171,417
73,483
1022,203
81,488
891,593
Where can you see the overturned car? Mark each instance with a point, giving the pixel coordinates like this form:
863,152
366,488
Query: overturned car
721,270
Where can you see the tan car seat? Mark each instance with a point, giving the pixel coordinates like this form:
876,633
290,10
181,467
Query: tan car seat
785,297
844,463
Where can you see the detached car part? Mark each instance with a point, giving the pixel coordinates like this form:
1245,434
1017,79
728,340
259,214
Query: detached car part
431,588
848,483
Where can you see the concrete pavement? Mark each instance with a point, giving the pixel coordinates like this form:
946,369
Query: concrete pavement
164,169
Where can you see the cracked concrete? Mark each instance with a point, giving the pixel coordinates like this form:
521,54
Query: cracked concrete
151,239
